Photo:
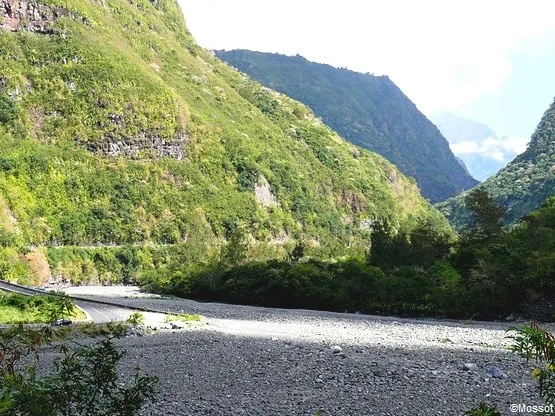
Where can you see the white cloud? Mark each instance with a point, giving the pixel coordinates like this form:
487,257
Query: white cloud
503,149
442,54
464,148
515,143
499,156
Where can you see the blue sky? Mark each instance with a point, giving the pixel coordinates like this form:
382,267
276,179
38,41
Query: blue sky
491,61
516,108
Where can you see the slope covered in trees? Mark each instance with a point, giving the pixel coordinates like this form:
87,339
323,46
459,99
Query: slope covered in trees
117,129
523,184
369,111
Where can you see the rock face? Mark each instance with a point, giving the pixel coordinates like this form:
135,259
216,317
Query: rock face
263,193
31,16
142,146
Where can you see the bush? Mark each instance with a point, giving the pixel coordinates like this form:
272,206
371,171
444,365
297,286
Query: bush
136,318
533,342
483,410
84,382
8,111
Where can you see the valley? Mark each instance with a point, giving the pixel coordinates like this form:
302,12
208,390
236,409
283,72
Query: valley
272,235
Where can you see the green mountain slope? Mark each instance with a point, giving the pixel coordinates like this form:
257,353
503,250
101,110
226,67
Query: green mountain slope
524,183
368,111
117,129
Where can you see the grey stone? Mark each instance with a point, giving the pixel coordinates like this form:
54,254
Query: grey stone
336,349
470,367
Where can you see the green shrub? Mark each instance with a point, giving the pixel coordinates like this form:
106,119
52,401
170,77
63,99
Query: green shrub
483,410
83,382
8,110
136,318
534,343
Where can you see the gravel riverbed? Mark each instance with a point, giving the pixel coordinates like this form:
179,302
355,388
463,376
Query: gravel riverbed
261,361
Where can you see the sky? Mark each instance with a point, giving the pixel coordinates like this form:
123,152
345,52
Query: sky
490,61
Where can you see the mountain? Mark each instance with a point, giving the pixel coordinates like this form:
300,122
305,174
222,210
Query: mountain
121,137
524,183
369,111
459,130
477,145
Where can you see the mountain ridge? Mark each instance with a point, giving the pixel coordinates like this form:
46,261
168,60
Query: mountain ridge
369,111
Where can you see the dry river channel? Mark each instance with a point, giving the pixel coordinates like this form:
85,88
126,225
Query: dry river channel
258,361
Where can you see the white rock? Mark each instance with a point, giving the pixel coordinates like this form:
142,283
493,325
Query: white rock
470,367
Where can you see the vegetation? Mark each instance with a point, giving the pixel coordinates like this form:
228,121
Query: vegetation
15,309
483,410
84,381
484,273
367,110
121,136
534,343
136,318
182,317
523,185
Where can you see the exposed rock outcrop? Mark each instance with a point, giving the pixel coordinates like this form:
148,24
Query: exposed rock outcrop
30,16
263,193
142,146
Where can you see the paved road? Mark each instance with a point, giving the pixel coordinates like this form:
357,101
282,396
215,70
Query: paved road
19,289
103,313
97,312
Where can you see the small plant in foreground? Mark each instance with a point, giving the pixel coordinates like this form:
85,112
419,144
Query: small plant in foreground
483,410
84,381
533,342
62,308
136,318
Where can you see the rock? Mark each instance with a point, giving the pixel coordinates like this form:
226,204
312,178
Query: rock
510,318
178,325
135,331
470,367
336,349
497,373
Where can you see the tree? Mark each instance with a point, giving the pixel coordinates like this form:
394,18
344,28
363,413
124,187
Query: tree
236,251
487,214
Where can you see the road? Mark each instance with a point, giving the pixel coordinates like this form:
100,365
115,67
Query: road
97,312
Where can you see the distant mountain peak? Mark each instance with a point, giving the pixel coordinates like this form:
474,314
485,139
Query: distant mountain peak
483,152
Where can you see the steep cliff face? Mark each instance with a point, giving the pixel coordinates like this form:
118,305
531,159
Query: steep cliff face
369,111
116,128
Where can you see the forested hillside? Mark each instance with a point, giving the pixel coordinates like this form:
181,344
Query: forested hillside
118,131
367,110
523,184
